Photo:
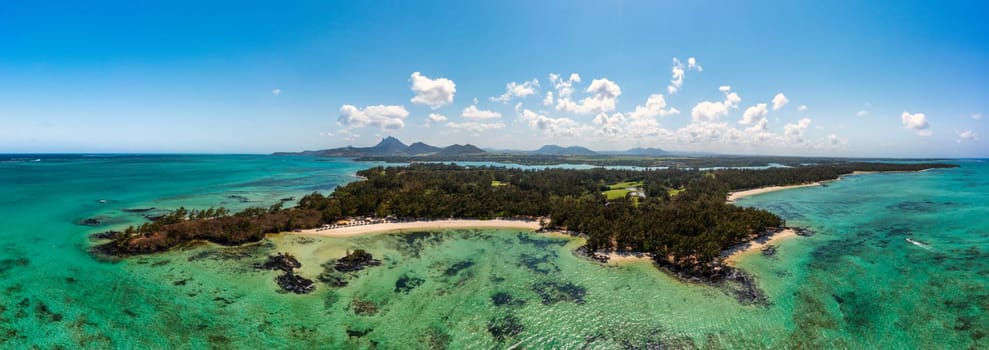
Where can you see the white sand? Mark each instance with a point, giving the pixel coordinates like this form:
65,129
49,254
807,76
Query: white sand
421,225
733,196
757,245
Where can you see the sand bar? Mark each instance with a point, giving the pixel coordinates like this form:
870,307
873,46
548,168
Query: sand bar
757,244
733,196
421,225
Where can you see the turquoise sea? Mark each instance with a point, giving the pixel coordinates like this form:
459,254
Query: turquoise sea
857,283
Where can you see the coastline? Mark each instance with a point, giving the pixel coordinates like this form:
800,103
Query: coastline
736,195
419,225
732,255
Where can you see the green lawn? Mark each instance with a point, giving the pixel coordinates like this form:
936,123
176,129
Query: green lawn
615,194
496,183
624,185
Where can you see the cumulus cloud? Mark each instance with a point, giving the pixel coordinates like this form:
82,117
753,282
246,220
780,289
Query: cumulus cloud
473,113
752,114
564,88
435,118
678,71
384,117
548,101
833,139
692,64
604,98
514,89
802,108
759,127
711,111
553,126
862,113
276,92
609,125
795,132
916,122
475,127
434,93
967,135
655,107
779,101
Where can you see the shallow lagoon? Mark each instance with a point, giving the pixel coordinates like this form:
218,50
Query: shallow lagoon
857,283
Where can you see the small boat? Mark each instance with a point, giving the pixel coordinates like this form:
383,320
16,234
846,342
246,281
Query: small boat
918,243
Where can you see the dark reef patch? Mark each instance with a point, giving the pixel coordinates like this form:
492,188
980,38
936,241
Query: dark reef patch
502,299
540,264
363,307
540,242
502,328
553,292
407,283
456,268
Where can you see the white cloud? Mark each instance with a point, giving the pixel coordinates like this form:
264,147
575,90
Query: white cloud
692,64
276,92
475,127
553,126
514,89
976,116
710,110
802,108
655,107
862,113
917,122
564,88
473,113
434,93
609,125
604,98
753,113
385,117
759,127
678,71
435,118
967,135
833,140
795,132
779,101
548,101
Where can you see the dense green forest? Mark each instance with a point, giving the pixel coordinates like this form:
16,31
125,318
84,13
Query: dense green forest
682,219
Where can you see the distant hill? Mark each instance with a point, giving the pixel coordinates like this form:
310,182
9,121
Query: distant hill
419,148
638,151
459,150
554,150
391,146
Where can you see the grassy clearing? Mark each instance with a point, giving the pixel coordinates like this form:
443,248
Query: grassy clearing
496,183
615,194
624,185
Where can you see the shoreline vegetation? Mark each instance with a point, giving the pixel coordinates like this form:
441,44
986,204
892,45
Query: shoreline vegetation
679,218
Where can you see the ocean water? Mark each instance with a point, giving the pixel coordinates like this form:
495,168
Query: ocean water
857,283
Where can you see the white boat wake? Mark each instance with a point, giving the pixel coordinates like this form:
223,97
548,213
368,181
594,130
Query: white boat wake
919,243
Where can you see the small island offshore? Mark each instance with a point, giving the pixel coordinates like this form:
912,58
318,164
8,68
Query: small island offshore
681,219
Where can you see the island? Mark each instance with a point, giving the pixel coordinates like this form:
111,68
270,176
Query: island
680,218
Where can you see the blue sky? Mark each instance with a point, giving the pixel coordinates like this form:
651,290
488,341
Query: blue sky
858,78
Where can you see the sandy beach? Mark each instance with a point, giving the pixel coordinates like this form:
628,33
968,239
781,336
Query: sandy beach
421,225
757,244
733,196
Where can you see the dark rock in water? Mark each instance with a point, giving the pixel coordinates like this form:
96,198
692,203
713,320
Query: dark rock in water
139,210
505,327
363,307
281,261
105,235
291,282
287,199
241,199
333,280
505,299
155,217
358,333
744,288
92,222
407,283
553,292
583,252
769,251
800,231
456,268
355,261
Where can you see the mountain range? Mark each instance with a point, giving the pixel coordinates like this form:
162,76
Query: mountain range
391,146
